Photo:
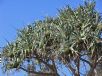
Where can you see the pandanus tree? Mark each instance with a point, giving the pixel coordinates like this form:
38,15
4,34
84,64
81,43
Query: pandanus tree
70,39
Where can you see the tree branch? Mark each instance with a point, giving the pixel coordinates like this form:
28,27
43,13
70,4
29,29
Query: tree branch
71,68
54,66
94,64
99,59
86,61
39,73
40,60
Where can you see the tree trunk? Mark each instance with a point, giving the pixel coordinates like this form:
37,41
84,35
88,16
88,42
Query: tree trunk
99,70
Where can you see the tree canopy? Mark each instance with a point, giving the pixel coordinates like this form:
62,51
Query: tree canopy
69,39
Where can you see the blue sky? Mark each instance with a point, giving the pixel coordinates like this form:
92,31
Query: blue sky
15,14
